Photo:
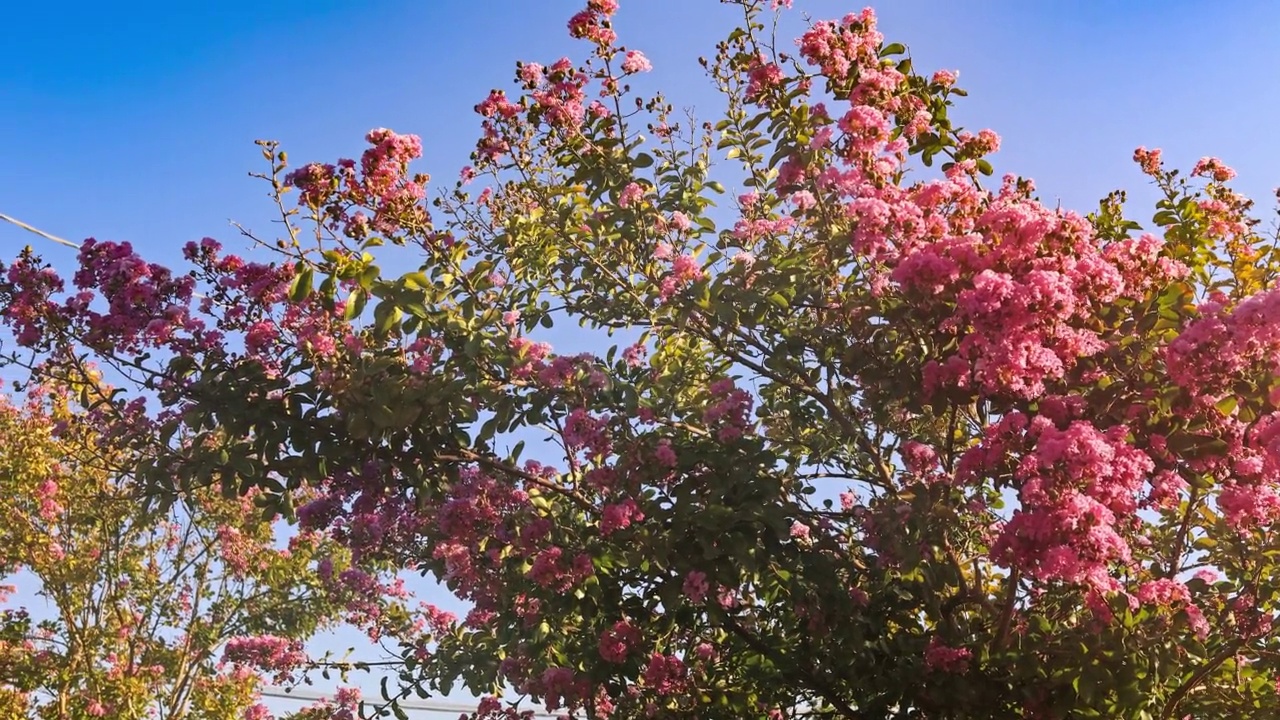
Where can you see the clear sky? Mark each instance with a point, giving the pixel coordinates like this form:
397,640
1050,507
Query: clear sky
135,121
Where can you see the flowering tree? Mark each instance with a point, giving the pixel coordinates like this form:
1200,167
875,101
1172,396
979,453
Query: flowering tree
181,615
879,441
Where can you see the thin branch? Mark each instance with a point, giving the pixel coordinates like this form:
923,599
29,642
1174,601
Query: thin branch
1006,613
1227,652
465,455
1175,556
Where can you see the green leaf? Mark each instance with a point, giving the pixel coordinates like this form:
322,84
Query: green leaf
301,287
385,316
355,304
417,281
1227,405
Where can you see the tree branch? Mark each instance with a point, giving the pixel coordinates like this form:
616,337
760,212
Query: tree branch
1171,705
825,691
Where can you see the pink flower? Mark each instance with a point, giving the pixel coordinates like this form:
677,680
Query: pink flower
803,200
590,24
619,516
1162,592
665,674
636,62
729,412
1206,575
684,270
943,658
532,73
664,454
551,570
696,586
1149,160
618,641
1213,168
266,652
918,457
762,76
634,355
258,711
866,126
47,494
630,195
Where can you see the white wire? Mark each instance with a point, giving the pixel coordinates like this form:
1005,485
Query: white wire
37,231
308,695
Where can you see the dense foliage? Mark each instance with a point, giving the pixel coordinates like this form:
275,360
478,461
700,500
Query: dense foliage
881,438
185,614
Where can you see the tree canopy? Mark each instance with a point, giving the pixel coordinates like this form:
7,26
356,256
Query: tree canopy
875,436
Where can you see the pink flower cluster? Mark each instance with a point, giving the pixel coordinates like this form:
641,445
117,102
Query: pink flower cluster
582,431
1174,595
552,569
1250,496
592,23
1018,283
619,516
696,586
619,641
382,185
840,48
728,412
1079,489
30,305
1149,160
560,101
559,687
665,674
764,76
944,658
1214,169
636,62
278,655
1226,345
145,304
47,495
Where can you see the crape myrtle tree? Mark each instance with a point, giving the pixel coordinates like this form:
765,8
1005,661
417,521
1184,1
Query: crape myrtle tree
183,615
891,440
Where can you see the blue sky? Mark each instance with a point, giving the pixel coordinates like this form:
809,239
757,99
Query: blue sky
135,121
